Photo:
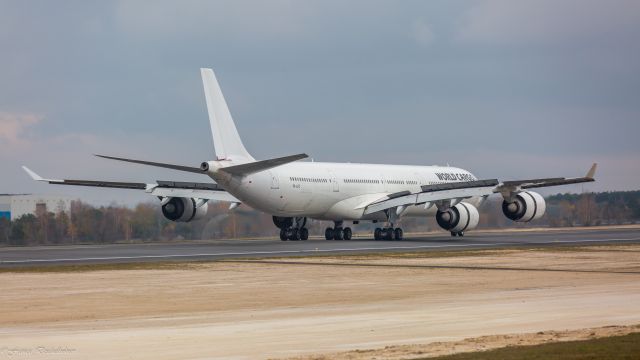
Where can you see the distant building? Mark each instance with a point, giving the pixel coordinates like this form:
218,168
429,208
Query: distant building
12,206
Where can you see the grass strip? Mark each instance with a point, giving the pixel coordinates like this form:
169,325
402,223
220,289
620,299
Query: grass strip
609,348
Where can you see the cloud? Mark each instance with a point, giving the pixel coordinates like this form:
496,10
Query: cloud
201,19
548,21
14,130
422,33
18,134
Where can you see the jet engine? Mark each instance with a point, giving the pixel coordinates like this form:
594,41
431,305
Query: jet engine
458,218
184,209
525,206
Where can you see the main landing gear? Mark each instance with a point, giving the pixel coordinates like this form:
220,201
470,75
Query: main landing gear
388,234
337,232
292,228
460,233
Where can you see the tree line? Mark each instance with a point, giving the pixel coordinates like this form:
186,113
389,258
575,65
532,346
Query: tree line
84,223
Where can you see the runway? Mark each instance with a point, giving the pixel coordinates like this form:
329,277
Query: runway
226,249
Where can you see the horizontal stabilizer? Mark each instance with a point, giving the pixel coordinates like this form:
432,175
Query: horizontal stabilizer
257,166
196,170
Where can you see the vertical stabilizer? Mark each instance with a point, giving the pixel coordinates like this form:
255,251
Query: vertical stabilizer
226,140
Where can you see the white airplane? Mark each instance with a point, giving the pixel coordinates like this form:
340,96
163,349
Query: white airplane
293,191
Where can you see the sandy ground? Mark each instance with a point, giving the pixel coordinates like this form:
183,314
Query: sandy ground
402,306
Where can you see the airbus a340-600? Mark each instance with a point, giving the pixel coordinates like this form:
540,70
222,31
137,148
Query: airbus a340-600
293,191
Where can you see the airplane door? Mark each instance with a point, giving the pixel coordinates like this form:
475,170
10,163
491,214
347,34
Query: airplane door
275,183
334,182
275,194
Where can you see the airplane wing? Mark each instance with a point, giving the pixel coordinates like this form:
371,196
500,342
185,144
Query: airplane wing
429,194
508,188
458,191
209,191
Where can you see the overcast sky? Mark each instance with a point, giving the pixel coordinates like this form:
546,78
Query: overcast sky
506,89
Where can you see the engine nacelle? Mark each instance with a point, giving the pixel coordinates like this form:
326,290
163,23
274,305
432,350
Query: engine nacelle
183,209
458,218
526,206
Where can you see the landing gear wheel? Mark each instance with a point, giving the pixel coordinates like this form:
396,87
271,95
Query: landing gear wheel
377,234
338,233
398,234
347,233
304,233
294,234
454,234
388,234
328,234
283,235
461,233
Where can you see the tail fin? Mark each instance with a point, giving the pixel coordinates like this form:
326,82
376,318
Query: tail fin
226,140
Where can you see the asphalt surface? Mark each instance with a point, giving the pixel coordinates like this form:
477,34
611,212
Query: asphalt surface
226,249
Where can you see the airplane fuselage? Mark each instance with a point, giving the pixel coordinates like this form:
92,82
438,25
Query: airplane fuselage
336,191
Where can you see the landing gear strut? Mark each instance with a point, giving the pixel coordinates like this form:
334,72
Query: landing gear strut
292,228
337,232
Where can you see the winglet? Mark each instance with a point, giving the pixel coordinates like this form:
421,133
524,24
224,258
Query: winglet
592,172
37,177
33,175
